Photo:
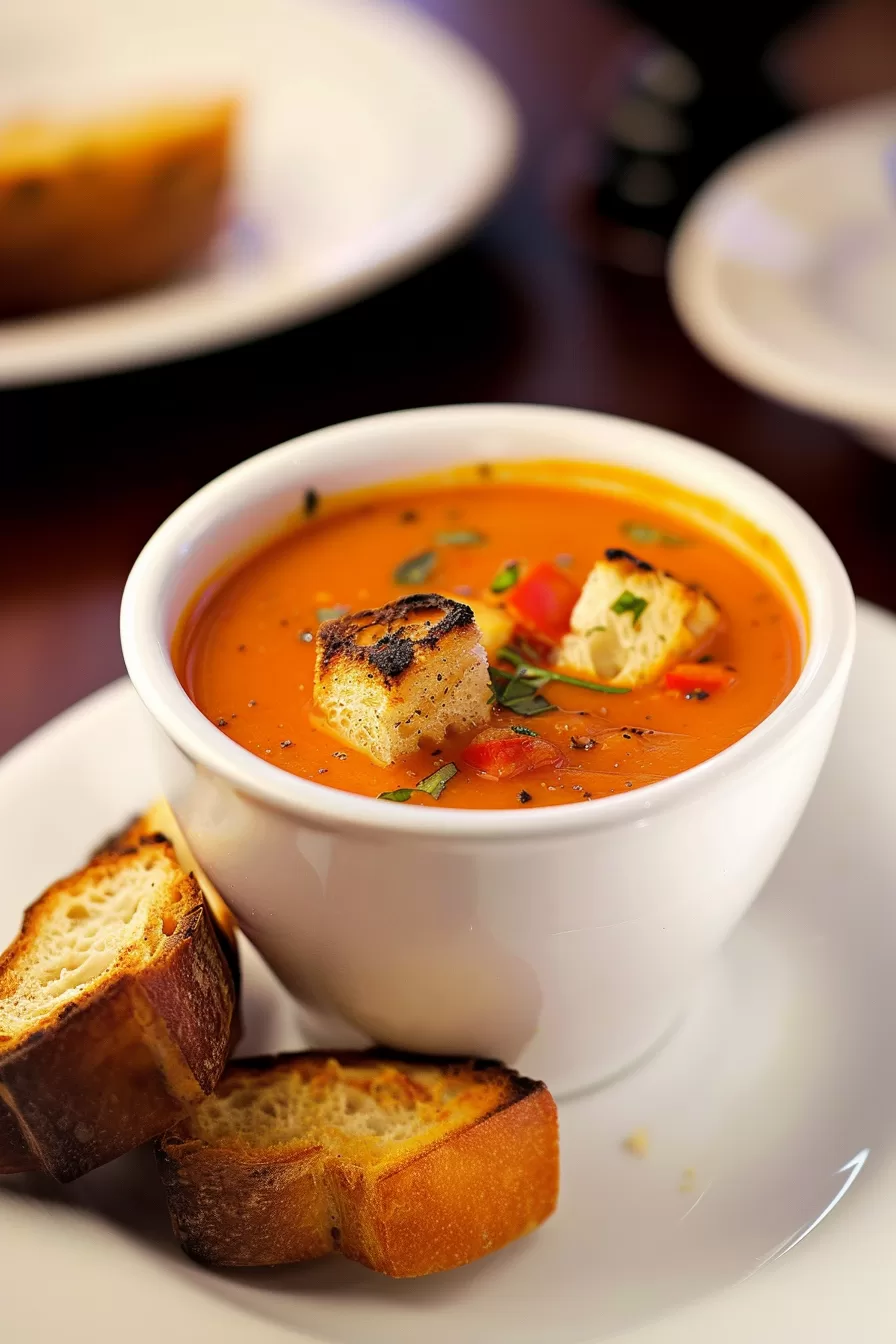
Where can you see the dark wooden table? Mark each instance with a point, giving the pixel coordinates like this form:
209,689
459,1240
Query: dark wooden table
519,313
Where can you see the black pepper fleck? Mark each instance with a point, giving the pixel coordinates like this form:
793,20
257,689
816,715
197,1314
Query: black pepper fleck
341,755
252,704
284,620
322,770
696,695
241,648
287,742
312,499
524,797
222,723
586,795
409,516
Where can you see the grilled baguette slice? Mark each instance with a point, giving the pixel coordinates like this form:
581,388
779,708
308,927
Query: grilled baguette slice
407,1165
92,210
116,1012
159,820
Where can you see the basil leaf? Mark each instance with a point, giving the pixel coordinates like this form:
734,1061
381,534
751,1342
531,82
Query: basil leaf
627,601
515,693
417,569
332,613
506,578
434,784
460,538
536,677
652,536
523,732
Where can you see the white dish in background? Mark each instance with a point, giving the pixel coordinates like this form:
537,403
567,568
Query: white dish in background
783,269
372,140
777,1090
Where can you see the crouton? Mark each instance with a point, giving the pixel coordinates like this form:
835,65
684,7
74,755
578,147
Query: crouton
414,669
495,625
631,622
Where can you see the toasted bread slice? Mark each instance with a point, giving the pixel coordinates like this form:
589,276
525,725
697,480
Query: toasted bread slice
159,820
412,671
100,208
406,1165
116,1010
632,622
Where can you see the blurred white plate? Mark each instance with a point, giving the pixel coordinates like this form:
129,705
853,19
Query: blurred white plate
784,267
372,140
777,1091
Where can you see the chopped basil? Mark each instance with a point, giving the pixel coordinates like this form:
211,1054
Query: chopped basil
332,613
417,569
312,500
515,693
523,732
627,601
537,677
652,536
433,784
460,538
506,578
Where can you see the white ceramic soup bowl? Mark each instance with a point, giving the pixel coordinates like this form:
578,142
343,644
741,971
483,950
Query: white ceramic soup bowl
565,940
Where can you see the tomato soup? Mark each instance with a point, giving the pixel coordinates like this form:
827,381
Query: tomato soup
245,651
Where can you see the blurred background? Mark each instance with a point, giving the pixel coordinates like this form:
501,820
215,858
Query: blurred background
388,246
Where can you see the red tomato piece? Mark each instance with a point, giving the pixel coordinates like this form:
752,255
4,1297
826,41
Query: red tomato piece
699,677
499,753
543,601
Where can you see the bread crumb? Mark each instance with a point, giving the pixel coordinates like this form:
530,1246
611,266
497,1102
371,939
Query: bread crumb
637,1143
688,1181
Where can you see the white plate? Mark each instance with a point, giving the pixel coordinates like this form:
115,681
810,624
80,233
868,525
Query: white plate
372,140
784,267
778,1090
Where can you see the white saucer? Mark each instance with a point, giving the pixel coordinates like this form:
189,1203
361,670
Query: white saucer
372,140
778,1091
784,267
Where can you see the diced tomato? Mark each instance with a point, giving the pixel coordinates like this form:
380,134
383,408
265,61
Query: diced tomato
543,601
699,677
499,753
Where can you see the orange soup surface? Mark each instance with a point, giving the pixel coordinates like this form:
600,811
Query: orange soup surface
245,651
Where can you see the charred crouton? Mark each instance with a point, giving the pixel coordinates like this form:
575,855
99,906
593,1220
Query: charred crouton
631,622
412,670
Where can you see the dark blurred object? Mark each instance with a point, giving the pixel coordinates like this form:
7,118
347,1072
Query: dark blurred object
697,94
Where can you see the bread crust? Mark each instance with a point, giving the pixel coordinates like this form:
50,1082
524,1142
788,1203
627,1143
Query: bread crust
456,1199
118,1064
111,207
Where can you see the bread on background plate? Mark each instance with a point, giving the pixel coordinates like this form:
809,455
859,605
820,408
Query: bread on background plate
104,207
117,1012
408,1165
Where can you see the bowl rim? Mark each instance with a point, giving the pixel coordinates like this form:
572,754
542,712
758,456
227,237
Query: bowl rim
150,667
